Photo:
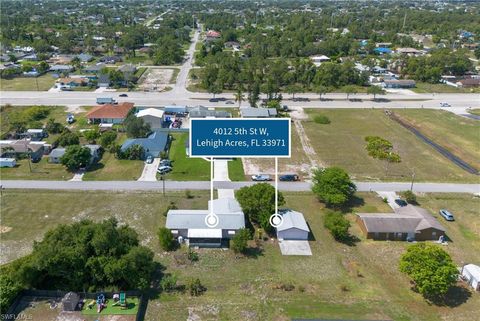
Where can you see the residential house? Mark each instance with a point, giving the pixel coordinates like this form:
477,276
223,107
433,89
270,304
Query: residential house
152,116
317,60
72,82
111,59
61,68
407,223
31,57
14,148
103,81
128,68
109,113
409,52
382,50
232,44
212,35
251,112
204,112
174,109
34,134
56,154
399,83
156,143
93,69
469,83
190,225
293,227
84,57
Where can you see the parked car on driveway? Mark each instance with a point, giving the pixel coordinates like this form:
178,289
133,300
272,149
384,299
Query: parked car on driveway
70,118
166,162
164,169
446,215
289,178
261,178
401,202
149,159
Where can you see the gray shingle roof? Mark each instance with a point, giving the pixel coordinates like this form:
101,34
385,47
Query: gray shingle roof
258,112
405,219
153,144
57,152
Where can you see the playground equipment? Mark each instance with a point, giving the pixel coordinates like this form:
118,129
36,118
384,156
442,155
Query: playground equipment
101,302
122,300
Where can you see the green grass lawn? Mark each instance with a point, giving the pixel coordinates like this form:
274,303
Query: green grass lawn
459,135
186,168
45,82
235,170
132,308
112,169
341,143
42,170
423,87
338,281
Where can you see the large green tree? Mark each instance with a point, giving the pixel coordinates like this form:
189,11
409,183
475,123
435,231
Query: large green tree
75,157
333,186
431,268
258,203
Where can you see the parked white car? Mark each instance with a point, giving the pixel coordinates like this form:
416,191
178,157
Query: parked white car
261,178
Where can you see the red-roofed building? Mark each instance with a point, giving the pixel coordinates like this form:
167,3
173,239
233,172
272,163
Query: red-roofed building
109,113
212,35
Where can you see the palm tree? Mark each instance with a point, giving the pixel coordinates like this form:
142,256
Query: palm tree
239,96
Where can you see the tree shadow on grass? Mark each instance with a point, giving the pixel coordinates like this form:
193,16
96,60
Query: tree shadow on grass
456,296
95,167
354,201
253,252
350,240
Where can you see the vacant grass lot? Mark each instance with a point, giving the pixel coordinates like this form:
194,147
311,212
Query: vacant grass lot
43,170
459,135
44,82
423,87
341,143
338,281
474,111
112,169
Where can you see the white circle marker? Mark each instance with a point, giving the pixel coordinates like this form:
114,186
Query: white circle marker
211,220
276,220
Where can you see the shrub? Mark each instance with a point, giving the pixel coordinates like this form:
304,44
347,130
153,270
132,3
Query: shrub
91,135
240,241
382,149
192,255
76,157
337,224
54,127
165,237
107,139
171,206
410,197
168,282
321,119
67,138
188,194
196,288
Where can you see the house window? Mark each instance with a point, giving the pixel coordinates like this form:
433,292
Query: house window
231,232
174,232
376,235
434,234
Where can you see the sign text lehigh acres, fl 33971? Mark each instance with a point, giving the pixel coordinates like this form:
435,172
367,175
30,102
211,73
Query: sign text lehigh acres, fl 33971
230,137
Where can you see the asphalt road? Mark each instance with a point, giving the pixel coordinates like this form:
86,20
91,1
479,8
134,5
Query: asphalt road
205,185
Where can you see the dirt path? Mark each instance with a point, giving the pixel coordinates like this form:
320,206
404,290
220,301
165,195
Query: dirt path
307,147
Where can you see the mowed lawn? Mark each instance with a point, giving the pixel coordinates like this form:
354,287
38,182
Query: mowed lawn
44,82
459,135
341,143
184,167
111,168
43,170
338,281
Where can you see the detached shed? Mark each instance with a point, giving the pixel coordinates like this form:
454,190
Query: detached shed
471,274
294,226
70,301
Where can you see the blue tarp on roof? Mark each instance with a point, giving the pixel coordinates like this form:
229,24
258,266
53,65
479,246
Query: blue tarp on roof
383,50
153,144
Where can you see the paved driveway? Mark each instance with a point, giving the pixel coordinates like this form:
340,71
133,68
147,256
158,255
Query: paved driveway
149,173
220,170
391,197
295,248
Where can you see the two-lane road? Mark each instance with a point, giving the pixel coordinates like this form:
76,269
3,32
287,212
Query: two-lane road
205,185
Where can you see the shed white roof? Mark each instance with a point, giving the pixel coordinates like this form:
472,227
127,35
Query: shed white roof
293,219
474,270
155,112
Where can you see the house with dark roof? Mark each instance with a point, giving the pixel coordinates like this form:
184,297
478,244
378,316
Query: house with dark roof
251,112
153,145
93,69
84,57
401,83
190,225
204,112
15,148
407,223
109,113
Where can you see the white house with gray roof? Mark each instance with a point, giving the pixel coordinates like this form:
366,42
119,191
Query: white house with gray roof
190,224
250,112
293,227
